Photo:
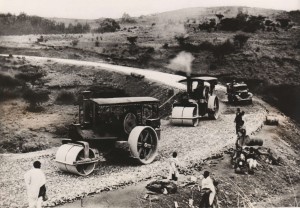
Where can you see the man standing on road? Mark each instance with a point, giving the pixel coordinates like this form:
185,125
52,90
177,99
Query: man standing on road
207,184
239,120
35,184
173,172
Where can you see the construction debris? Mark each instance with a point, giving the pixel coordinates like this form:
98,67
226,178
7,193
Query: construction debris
162,186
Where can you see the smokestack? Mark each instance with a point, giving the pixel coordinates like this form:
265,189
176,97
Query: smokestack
189,85
86,108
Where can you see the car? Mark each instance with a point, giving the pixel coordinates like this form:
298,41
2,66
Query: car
130,123
238,92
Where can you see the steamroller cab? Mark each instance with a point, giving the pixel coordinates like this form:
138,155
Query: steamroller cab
196,102
130,122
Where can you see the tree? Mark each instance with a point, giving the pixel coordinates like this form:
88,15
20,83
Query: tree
108,25
127,19
254,23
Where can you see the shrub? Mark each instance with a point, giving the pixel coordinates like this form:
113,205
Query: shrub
144,58
223,49
7,81
298,45
268,22
150,50
165,45
231,24
206,45
132,40
220,16
36,98
40,39
6,94
241,39
181,39
74,42
65,98
283,22
97,43
254,23
30,76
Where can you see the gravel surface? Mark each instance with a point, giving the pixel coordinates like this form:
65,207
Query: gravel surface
192,143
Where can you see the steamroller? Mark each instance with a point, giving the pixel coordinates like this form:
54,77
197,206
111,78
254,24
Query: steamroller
198,101
125,123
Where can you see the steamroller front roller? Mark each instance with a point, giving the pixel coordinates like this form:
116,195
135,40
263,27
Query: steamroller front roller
143,144
76,158
184,116
213,107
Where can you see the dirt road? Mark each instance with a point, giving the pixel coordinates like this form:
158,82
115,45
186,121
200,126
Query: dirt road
192,145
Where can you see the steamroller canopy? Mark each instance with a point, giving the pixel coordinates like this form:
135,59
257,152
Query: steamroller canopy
124,100
203,79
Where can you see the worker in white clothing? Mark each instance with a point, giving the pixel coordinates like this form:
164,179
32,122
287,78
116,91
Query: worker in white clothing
35,181
207,184
173,167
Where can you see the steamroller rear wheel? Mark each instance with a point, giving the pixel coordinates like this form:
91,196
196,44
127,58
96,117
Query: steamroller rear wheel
213,107
69,153
143,144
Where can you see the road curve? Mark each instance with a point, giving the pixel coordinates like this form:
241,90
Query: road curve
192,144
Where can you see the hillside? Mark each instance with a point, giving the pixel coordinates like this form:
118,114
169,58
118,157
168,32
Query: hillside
204,12
268,61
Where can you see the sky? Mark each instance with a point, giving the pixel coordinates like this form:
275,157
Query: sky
92,9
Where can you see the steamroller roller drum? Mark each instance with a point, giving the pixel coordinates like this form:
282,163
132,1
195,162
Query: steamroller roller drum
190,113
143,144
70,158
186,116
177,115
213,107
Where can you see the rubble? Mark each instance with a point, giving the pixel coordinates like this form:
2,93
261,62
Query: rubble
162,186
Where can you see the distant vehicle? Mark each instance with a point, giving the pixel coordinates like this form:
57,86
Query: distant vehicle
196,102
130,123
238,92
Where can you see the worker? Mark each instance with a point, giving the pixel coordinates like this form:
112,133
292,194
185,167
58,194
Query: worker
207,185
173,168
241,136
240,163
251,160
239,120
35,181
198,91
